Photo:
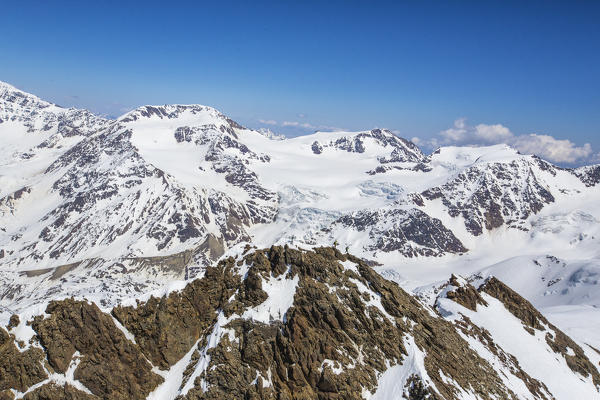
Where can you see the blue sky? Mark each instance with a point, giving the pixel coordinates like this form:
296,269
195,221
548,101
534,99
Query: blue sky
420,68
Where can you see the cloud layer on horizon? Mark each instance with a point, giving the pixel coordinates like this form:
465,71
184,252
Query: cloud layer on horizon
463,134
545,146
299,124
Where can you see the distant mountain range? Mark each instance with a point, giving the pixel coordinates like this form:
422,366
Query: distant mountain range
173,202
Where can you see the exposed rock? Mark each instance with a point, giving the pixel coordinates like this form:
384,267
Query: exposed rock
412,233
166,328
19,370
55,392
400,150
8,202
345,325
6,395
417,390
464,293
589,175
110,366
316,147
333,318
488,196
13,321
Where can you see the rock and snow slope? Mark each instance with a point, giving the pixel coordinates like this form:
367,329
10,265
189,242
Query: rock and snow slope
109,210
297,324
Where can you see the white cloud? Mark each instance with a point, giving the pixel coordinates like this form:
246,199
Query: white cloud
492,133
461,132
418,141
456,134
551,148
545,146
299,124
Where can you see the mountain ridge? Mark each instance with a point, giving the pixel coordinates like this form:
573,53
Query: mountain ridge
114,211
297,324
165,180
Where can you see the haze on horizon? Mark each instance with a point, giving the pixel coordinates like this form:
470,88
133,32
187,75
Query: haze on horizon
435,72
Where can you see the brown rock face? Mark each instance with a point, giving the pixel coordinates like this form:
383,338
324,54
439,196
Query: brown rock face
18,370
110,366
13,321
54,392
465,295
166,328
347,325
332,324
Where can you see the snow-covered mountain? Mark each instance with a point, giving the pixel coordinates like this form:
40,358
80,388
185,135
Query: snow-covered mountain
113,210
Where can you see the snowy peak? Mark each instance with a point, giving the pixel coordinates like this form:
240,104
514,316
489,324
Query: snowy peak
16,105
164,179
197,114
374,182
10,94
187,181
589,175
492,192
21,109
467,156
196,124
397,149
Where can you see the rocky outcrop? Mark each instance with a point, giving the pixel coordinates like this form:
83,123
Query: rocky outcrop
346,325
464,293
276,323
78,334
589,175
491,195
166,328
18,369
53,391
400,150
410,232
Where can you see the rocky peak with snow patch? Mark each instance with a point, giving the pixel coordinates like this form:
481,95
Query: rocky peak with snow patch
396,148
492,194
285,323
590,174
21,108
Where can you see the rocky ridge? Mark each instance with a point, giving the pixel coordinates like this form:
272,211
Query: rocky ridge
492,195
278,323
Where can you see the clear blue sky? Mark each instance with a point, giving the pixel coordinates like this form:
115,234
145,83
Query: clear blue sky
413,66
